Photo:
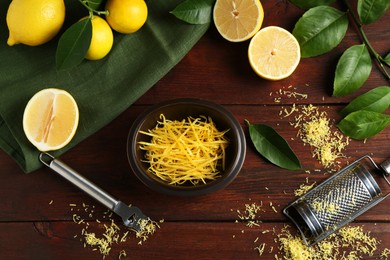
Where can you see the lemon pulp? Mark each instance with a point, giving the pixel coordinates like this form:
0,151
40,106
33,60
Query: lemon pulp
274,53
238,20
50,119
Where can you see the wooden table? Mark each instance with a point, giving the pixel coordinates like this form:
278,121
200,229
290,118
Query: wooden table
38,210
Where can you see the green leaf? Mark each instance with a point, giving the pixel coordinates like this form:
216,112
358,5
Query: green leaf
74,44
94,4
376,100
387,59
273,147
307,4
194,11
363,124
352,70
320,29
371,10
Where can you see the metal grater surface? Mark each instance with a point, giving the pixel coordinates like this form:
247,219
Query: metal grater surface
337,200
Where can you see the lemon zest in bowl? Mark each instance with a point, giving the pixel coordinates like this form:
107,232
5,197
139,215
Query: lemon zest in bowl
191,150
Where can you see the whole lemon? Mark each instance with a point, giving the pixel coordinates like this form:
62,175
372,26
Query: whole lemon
101,41
126,16
34,22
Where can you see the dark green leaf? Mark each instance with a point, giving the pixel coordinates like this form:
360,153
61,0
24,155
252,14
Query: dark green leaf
74,44
387,59
194,11
94,4
353,69
376,100
273,147
307,4
371,10
363,124
320,29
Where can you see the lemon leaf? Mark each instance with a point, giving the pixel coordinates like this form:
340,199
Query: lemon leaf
387,59
376,100
194,11
371,10
363,124
320,29
352,70
273,146
74,44
94,4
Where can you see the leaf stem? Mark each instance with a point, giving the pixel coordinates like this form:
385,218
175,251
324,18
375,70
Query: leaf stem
91,10
378,58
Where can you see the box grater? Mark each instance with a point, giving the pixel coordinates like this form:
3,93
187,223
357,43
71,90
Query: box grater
338,200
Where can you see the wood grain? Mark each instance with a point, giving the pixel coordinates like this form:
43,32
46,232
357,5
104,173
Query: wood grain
36,219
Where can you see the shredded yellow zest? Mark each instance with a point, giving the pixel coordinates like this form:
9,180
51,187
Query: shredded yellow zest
315,129
353,238
249,214
303,189
103,242
147,228
320,205
260,249
191,150
385,253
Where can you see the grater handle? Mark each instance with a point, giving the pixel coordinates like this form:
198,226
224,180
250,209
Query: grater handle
385,166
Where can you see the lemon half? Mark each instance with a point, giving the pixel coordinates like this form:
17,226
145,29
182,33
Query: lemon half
238,20
274,53
50,119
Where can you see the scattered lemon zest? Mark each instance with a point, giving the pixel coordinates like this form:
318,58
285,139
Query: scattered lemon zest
260,248
358,242
303,189
112,235
385,253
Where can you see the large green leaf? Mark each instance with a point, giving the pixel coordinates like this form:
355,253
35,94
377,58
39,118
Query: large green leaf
194,11
376,100
103,89
353,69
74,44
320,29
307,4
371,10
273,147
363,124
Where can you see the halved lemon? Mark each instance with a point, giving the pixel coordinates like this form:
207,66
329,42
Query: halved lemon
274,53
238,20
50,119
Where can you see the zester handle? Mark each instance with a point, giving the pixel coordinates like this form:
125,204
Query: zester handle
78,180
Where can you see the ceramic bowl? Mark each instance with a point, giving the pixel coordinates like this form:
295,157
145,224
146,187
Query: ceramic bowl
179,109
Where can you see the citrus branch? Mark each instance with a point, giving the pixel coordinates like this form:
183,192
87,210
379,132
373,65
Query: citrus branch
93,11
377,57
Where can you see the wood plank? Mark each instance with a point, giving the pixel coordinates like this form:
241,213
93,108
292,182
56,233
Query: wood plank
174,240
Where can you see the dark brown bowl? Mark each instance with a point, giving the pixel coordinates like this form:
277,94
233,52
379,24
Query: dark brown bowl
179,109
